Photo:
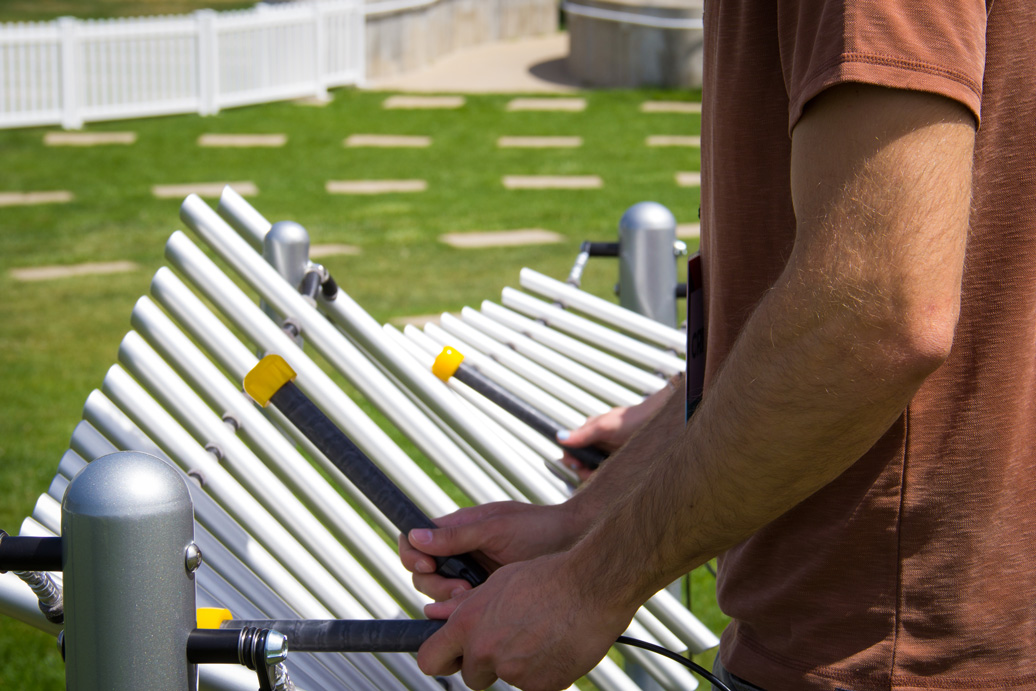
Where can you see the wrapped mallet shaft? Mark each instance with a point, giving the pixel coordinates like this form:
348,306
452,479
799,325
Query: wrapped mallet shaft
271,382
349,636
450,363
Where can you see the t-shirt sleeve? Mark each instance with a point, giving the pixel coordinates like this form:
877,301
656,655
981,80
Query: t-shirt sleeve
936,47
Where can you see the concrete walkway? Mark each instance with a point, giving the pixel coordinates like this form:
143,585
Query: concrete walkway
530,65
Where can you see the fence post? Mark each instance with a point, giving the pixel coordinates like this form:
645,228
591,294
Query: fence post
358,25
319,52
71,117
208,62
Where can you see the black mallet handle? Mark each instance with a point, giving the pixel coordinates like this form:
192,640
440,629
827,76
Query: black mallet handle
271,382
348,636
449,363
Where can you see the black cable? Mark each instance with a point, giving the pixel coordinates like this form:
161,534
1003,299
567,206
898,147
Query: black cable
659,650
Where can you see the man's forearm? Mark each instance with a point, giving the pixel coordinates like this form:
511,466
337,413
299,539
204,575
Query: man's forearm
650,441
828,360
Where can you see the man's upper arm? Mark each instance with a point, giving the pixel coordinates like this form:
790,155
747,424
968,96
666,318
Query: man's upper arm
881,182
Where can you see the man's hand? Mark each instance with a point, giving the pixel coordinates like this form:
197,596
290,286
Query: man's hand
609,431
499,533
528,625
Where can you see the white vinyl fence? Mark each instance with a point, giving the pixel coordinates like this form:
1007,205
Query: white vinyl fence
73,71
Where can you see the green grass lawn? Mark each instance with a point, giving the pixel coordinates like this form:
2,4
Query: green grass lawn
58,337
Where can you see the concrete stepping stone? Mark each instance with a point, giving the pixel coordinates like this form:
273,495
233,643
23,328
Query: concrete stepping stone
688,230
670,107
375,186
539,142
548,104
501,238
388,141
34,198
688,179
244,141
47,273
548,182
88,138
674,140
313,101
203,189
332,250
423,102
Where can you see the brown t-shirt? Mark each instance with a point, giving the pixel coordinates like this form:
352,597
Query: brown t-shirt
916,569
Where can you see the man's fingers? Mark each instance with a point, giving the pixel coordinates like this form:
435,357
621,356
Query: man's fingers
478,678
437,587
446,607
414,561
442,654
598,430
449,540
575,437
468,514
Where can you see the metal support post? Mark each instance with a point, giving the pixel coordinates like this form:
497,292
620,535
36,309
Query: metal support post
286,248
647,262
647,285
129,558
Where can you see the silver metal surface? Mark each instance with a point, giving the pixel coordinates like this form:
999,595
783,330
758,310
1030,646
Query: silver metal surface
582,376
129,605
286,249
123,432
347,359
106,416
619,317
237,307
18,602
47,512
277,452
267,531
598,360
530,445
602,337
225,349
532,371
508,379
276,648
647,263
188,409
243,217
46,589
192,558
70,464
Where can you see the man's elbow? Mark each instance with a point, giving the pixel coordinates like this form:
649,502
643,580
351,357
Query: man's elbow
923,339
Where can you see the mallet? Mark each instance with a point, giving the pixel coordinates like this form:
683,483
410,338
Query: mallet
271,381
450,363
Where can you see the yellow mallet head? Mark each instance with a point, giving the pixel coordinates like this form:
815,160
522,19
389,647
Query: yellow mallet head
267,378
447,363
